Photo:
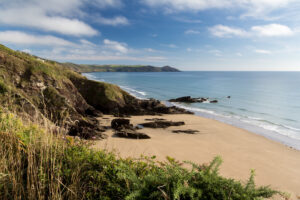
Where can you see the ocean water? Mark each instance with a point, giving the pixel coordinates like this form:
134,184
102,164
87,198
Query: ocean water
266,103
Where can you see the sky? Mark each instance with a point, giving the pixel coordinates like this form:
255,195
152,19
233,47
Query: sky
242,35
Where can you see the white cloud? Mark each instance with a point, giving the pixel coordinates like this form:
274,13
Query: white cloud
118,20
186,20
106,3
150,50
251,8
60,16
272,30
116,46
191,31
269,30
216,52
87,43
226,31
96,57
18,37
183,5
172,46
262,51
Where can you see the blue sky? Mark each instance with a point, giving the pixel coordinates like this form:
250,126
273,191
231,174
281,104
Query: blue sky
187,34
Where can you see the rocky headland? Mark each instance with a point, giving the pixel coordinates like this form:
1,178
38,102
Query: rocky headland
119,68
39,89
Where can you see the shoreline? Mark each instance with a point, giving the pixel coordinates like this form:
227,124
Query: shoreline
280,137
241,150
270,135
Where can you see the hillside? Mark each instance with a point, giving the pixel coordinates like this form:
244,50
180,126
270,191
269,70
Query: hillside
41,101
46,90
118,68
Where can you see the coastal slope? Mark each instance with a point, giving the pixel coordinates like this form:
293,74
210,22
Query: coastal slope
42,89
118,68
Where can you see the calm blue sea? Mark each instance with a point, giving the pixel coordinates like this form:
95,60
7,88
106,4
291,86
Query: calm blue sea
267,103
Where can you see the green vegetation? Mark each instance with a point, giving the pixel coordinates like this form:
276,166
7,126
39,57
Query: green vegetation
118,68
38,161
3,87
37,164
51,90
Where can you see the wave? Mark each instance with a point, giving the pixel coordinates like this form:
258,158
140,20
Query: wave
195,109
135,93
232,118
93,77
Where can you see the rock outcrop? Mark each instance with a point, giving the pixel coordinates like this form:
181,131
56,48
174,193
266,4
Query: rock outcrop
40,89
123,128
161,124
121,123
189,131
132,134
189,99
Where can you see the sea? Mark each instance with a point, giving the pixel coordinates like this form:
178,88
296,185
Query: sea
265,103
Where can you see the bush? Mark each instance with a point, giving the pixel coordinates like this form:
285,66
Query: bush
35,164
3,87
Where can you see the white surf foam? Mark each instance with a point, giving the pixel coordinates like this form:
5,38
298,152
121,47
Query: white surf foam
282,133
135,93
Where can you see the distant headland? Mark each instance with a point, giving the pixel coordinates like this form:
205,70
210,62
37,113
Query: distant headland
119,68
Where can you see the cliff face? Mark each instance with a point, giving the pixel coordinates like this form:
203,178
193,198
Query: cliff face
45,90
119,68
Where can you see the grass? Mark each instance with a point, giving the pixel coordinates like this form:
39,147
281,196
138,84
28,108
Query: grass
3,87
40,163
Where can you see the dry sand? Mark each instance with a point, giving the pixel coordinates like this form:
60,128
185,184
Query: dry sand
275,164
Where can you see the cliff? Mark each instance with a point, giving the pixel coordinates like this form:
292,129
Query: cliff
46,90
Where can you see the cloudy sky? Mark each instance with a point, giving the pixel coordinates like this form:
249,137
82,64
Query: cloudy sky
188,34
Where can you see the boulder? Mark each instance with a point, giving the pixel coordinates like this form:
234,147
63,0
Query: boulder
189,131
185,99
189,99
155,119
128,133
87,129
161,124
120,123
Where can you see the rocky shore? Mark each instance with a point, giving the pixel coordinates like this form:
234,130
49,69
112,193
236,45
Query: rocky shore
40,90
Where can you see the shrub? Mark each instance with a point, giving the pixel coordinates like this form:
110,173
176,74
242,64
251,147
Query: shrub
36,164
3,87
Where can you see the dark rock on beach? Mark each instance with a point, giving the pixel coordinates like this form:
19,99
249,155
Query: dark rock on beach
128,133
120,123
189,99
162,124
189,131
87,129
155,119
125,129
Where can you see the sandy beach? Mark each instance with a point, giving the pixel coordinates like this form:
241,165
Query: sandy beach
275,164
